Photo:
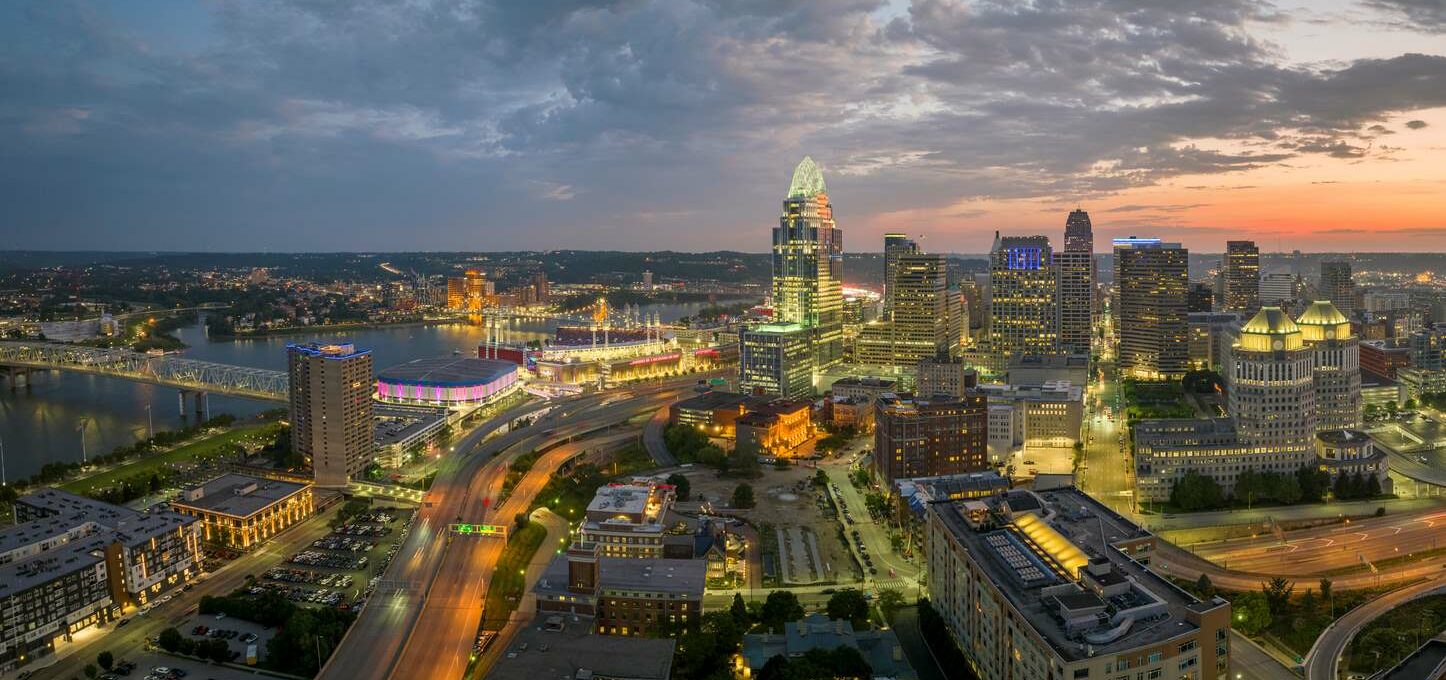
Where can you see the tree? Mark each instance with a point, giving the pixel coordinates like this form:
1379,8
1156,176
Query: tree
743,496
739,611
1195,491
849,605
1288,489
1373,486
90,671
1252,613
890,601
1325,590
681,486
105,660
1277,594
169,639
781,607
522,520
1204,586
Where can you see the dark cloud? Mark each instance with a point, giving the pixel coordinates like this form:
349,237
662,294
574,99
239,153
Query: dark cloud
1428,16
496,124
1415,124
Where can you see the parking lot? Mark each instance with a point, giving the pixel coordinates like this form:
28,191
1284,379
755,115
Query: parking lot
340,569
147,663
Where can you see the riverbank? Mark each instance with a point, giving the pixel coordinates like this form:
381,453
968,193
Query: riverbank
330,328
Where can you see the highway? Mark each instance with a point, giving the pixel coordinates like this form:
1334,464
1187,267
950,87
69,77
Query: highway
1323,660
1329,548
438,591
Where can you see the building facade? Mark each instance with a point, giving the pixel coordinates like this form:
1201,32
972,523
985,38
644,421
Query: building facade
928,437
626,520
1241,272
920,324
777,359
1023,303
895,245
331,387
808,265
1337,371
1152,280
241,512
1338,285
1075,269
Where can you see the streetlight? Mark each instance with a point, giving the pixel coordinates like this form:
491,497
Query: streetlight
150,424
84,458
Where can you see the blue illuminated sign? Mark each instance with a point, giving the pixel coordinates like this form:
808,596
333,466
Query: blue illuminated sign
1024,257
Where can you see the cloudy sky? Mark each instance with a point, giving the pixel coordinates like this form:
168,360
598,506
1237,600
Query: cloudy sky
675,124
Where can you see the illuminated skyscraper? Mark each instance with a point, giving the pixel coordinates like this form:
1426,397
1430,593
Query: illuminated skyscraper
1337,286
1075,268
808,264
1023,308
1241,273
1337,365
331,389
1152,289
922,326
1272,394
894,246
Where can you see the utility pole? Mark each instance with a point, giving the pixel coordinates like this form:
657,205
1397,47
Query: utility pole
150,424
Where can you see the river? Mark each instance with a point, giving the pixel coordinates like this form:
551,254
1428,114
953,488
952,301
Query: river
44,422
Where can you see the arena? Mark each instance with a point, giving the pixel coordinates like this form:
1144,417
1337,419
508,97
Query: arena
447,381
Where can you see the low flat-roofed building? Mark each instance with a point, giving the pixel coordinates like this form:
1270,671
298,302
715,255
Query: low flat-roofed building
1033,369
241,511
917,493
626,520
630,597
1419,382
867,388
1055,585
714,413
1379,390
556,647
880,648
1384,357
846,412
1047,415
782,429
1352,452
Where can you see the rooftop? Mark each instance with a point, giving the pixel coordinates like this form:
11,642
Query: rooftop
237,495
330,350
1054,556
564,648
880,648
56,502
447,371
1343,437
656,575
711,400
625,499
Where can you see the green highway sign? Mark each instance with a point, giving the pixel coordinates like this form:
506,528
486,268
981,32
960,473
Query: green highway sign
499,530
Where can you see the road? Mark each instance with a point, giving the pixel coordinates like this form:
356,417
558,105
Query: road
1106,470
1173,561
1249,662
437,588
123,641
1329,548
1323,660
653,439
875,535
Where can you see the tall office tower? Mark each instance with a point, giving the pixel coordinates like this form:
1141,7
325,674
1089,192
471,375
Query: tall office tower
456,292
1079,234
957,327
331,409
1202,297
1271,380
926,437
1075,267
1337,286
808,265
1023,307
1241,273
540,290
1152,280
1337,366
920,324
477,288
776,359
894,246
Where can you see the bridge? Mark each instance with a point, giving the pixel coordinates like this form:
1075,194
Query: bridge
192,377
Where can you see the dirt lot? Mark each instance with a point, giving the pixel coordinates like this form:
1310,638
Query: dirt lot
783,498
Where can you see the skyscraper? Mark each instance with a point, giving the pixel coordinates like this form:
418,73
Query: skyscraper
1023,307
1337,286
808,264
1202,297
1152,283
1241,272
331,390
1078,232
921,326
1272,396
1337,366
1075,268
894,246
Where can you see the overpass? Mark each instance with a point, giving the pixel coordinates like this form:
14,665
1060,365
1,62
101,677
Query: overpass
190,376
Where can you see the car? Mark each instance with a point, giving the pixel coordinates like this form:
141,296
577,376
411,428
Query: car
220,615
161,670
122,622
178,672
249,638
828,591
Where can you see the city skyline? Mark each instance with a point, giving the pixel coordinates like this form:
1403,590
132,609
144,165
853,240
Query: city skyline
501,127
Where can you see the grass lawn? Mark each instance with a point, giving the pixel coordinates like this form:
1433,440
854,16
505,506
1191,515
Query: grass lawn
505,591
143,467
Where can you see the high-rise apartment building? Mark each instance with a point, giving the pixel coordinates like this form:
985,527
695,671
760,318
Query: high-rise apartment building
1052,584
917,436
1240,271
894,246
1075,268
1023,304
1152,279
808,265
1337,285
1337,367
331,409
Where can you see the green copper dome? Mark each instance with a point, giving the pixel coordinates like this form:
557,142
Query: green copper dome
807,180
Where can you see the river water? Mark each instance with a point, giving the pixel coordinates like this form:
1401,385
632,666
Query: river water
45,422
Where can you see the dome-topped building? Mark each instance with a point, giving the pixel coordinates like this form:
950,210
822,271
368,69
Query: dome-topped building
1337,365
1272,390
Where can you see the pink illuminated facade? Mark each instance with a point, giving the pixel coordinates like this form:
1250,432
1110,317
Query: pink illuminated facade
447,381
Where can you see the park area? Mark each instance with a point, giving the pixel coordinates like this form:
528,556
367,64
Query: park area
148,473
